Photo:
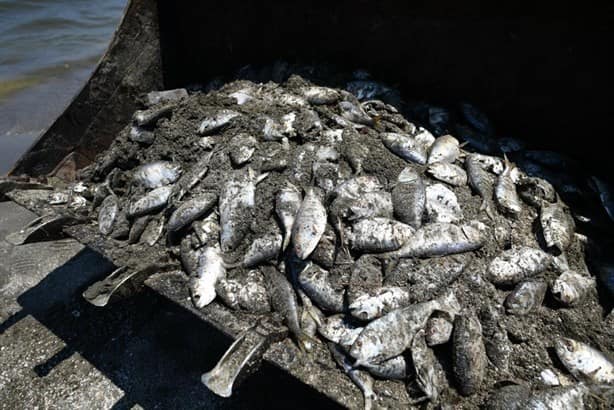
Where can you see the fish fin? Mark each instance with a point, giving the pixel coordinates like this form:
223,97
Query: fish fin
261,177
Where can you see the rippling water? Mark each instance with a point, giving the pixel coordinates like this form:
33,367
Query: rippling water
48,48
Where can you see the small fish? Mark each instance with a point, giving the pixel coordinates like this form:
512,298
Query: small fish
496,341
379,235
228,291
514,265
217,121
320,95
429,374
442,205
405,147
353,188
191,210
584,362
150,115
438,330
505,191
391,334
209,270
360,378
309,225
445,149
367,205
151,202
137,228
354,113
137,134
272,130
208,230
191,178
153,231
107,214
356,155
525,297
283,301
383,301
476,118
287,203
448,173
165,96
237,200
468,354
157,174
571,288
409,198
316,283
481,182
439,239
241,147
263,249
242,96
325,253
536,191
249,293
557,225
340,330
559,398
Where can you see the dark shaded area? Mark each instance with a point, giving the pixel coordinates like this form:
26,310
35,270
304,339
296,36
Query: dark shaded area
154,351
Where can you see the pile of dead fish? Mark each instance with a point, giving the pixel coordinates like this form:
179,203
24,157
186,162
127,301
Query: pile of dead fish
355,225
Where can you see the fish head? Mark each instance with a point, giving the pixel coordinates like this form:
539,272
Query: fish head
566,349
202,296
366,308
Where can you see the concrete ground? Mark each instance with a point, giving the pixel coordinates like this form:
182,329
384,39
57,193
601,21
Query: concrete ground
57,351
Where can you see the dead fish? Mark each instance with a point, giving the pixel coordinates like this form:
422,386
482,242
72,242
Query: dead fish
241,148
191,210
438,330
107,214
151,202
429,374
153,231
481,182
283,301
339,330
442,205
287,203
137,134
391,334
354,113
367,205
505,191
210,269
423,138
571,288
208,230
409,198
157,174
325,253
516,264
445,149
249,293
353,188
405,147
150,115
383,301
356,155
496,341
165,96
448,173
476,118
137,228
311,316
360,378
391,369
439,239
191,178
379,235
536,191
510,397
584,362
316,283
272,130
320,95
242,96
469,354
325,168
309,225
237,200
557,225
217,121
559,398
263,249
228,291
525,297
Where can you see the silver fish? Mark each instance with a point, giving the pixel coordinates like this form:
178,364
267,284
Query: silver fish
210,269
516,264
409,198
217,121
287,203
339,330
157,174
448,173
237,200
559,398
424,138
151,202
354,187
481,182
354,113
241,147
445,149
439,239
316,283
379,235
191,210
557,226
107,214
438,330
360,378
272,130
468,354
137,134
405,147
525,297
429,374
571,288
150,115
584,362
309,225
505,191
367,205
442,205
391,334
383,301
262,249
137,228
191,178
320,95
153,231
208,230
395,368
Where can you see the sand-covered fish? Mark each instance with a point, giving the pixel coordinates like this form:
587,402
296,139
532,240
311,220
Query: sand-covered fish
263,249
516,264
525,297
442,205
468,354
157,174
151,202
536,191
241,147
409,197
557,226
320,95
448,173
405,146
383,300
210,269
584,361
309,224
316,283
445,149
429,374
287,203
217,121
379,235
107,214
496,341
505,191
438,329
571,288
340,329
354,113
191,210
481,182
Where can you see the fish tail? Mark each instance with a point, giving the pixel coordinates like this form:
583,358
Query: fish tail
486,207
